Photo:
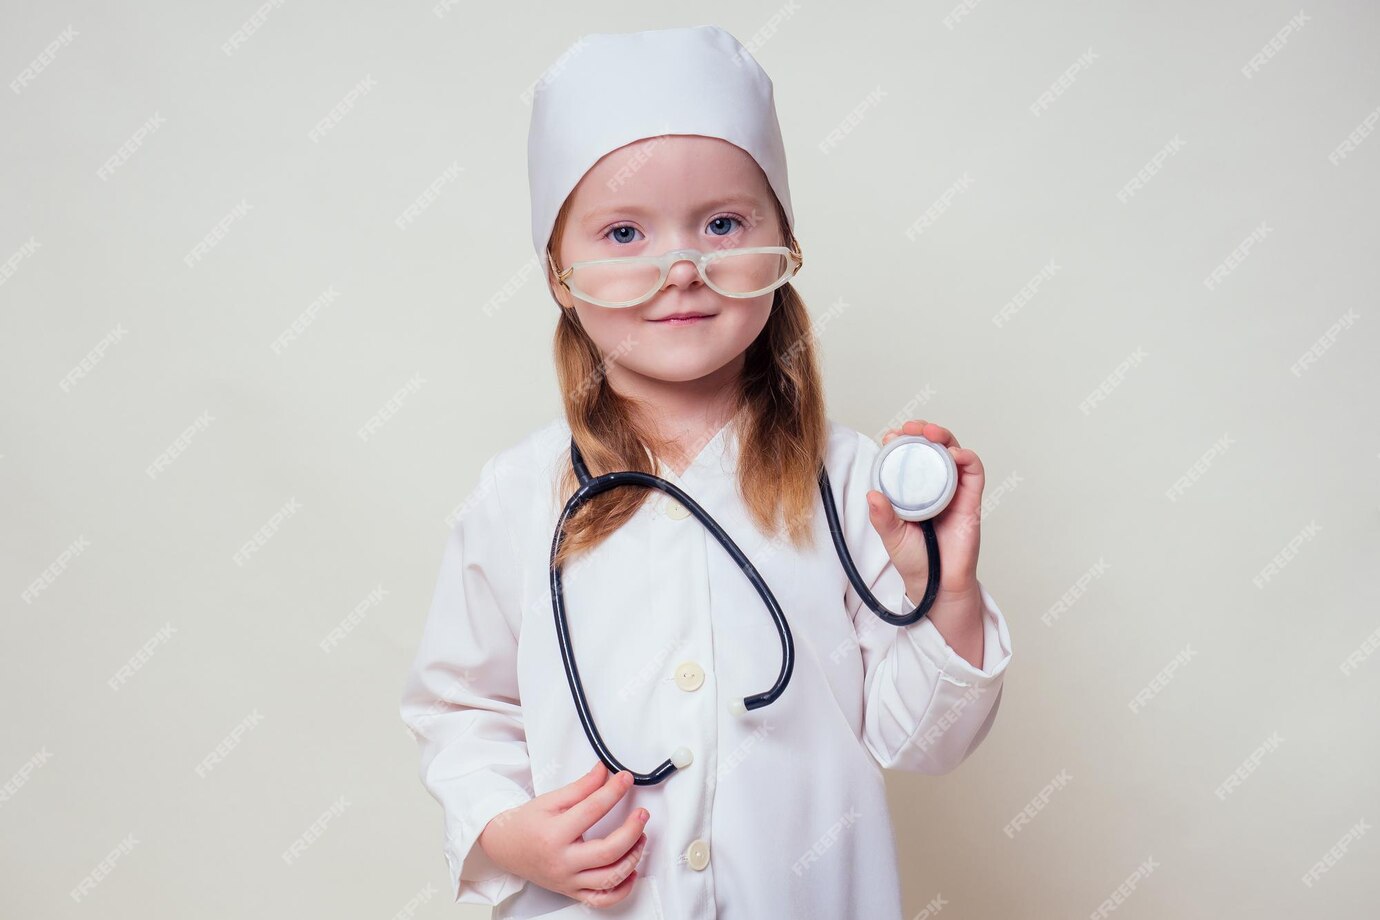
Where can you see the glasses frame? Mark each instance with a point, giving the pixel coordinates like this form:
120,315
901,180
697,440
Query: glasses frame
663,262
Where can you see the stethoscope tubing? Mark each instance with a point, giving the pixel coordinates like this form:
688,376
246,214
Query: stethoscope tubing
591,486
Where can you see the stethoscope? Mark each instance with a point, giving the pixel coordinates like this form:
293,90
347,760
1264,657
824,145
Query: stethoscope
916,475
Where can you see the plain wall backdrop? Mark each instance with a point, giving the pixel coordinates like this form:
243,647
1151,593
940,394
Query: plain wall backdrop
268,301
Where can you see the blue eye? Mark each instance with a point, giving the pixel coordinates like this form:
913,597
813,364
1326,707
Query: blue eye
720,220
618,238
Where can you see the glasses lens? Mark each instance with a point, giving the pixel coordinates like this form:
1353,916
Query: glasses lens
744,273
615,283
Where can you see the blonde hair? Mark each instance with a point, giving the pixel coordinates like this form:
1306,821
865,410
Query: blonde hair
780,421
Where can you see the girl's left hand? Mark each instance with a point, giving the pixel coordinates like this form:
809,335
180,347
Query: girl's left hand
956,527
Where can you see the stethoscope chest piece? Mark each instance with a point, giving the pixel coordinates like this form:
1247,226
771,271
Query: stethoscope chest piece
918,476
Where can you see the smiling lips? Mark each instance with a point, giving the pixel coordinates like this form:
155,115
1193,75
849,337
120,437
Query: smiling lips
683,319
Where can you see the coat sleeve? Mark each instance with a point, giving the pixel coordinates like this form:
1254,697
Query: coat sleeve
925,707
460,699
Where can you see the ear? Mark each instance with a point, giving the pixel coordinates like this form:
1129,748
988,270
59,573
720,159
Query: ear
558,290
562,295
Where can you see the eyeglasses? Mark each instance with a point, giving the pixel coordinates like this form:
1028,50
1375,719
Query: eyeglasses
627,282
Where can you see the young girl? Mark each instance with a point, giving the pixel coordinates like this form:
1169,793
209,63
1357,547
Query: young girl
642,144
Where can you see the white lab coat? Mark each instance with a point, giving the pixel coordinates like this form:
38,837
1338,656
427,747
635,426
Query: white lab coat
788,802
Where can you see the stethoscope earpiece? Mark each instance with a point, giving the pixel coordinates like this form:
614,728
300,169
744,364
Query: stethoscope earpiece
918,476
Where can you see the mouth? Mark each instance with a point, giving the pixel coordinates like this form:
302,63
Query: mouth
683,319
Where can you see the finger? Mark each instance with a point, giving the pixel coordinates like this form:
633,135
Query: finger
971,477
602,878
897,432
884,520
936,433
563,797
596,898
601,851
585,813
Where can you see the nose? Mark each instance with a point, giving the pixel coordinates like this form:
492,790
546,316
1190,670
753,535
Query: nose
683,271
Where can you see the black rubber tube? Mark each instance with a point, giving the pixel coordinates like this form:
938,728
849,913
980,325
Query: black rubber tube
590,486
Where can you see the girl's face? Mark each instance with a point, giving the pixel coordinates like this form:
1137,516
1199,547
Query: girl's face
671,192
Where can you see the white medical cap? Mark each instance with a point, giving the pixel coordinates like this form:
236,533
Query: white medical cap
610,89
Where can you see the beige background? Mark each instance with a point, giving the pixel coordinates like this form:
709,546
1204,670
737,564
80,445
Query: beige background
394,328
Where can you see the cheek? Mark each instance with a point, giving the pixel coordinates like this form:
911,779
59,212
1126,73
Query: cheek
750,318
608,327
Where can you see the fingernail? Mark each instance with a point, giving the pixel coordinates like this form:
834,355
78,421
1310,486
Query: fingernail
643,815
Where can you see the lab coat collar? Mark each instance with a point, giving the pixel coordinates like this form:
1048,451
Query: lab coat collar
719,455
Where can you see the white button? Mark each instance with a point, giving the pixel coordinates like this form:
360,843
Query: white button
698,854
689,676
675,510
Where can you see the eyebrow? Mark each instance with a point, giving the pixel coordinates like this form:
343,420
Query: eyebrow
607,213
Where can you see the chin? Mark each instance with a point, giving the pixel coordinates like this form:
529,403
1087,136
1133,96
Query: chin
682,369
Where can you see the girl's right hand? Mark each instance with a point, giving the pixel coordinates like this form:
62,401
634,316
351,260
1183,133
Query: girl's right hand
542,840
